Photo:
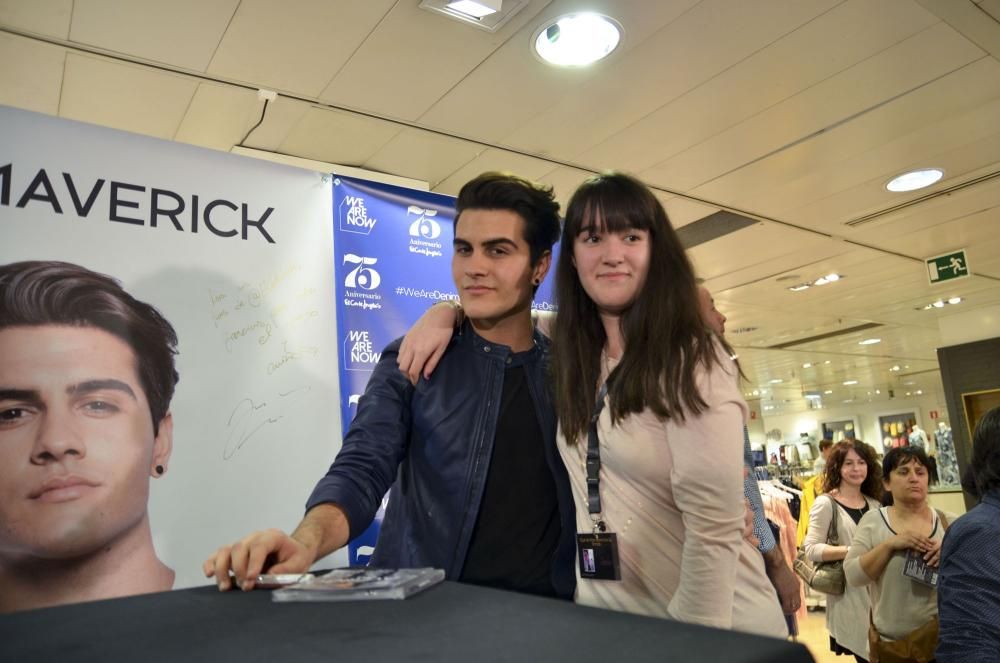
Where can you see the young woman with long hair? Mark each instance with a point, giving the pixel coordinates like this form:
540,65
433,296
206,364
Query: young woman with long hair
853,488
670,428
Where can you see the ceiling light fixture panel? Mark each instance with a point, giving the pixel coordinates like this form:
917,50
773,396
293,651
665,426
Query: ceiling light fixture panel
489,15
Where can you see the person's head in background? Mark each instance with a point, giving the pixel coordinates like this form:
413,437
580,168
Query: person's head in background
712,316
852,463
825,446
983,474
906,476
86,378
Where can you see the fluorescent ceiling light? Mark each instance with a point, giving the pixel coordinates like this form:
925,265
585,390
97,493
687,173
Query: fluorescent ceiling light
777,381
799,288
475,9
829,278
870,341
848,383
576,40
915,179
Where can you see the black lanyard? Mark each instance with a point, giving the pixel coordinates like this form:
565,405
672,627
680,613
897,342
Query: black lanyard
594,460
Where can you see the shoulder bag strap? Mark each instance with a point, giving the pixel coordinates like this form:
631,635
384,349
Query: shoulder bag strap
941,517
831,535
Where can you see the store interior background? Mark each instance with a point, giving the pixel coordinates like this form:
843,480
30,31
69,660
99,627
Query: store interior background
767,128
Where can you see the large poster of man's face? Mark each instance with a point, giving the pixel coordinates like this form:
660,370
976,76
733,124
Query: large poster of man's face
86,377
126,262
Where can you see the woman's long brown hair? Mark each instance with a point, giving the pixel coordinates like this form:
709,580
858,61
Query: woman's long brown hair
665,337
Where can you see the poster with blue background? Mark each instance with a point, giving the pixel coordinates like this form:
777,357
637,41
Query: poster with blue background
392,260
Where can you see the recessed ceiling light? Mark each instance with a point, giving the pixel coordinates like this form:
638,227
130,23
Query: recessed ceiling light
828,391
848,383
870,341
878,391
894,368
938,304
473,8
799,288
576,40
827,362
807,365
920,392
955,300
776,381
915,179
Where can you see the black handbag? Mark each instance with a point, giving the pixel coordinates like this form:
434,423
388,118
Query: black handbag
825,577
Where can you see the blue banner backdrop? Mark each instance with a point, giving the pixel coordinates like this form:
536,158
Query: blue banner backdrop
392,260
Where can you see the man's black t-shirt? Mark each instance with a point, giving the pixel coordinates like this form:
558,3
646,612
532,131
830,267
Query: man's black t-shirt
518,527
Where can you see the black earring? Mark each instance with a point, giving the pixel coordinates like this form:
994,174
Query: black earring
535,281
159,469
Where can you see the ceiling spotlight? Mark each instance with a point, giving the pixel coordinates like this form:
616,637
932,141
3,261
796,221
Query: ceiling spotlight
827,362
938,304
829,278
576,40
848,383
870,341
828,391
776,381
807,365
955,300
915,179
894,368
920,392
799,288
878,391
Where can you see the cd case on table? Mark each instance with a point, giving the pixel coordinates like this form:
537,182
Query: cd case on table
355,584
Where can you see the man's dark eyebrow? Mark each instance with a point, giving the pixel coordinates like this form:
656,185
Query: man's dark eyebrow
28,395
460,242
88,386
500,241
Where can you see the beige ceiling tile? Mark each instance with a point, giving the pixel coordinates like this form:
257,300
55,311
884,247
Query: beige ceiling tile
512,85
963,218
31,75
44,17
414,57
337,137
296,45
564,181
494,160
219,116
184,33
682,211
831,194
283,115
423,155
126,97
708,39
771,146
836,40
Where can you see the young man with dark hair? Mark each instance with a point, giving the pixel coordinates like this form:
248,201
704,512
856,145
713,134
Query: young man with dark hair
86,378
478,488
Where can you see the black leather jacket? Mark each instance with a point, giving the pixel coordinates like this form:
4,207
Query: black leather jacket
432,444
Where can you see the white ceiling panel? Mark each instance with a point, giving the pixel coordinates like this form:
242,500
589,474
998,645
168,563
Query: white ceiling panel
184,33
423,155
708,39
413,58
127,97
296,45
772,144
512,86
494,160
44,17
833,193
31,75
283,115
337,137
219,116
834,41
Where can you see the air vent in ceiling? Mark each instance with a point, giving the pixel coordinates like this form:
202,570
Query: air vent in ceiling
712,227
820,337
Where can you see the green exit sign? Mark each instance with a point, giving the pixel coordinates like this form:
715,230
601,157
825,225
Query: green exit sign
947,267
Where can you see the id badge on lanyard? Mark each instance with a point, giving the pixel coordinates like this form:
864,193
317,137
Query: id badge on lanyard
597,551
